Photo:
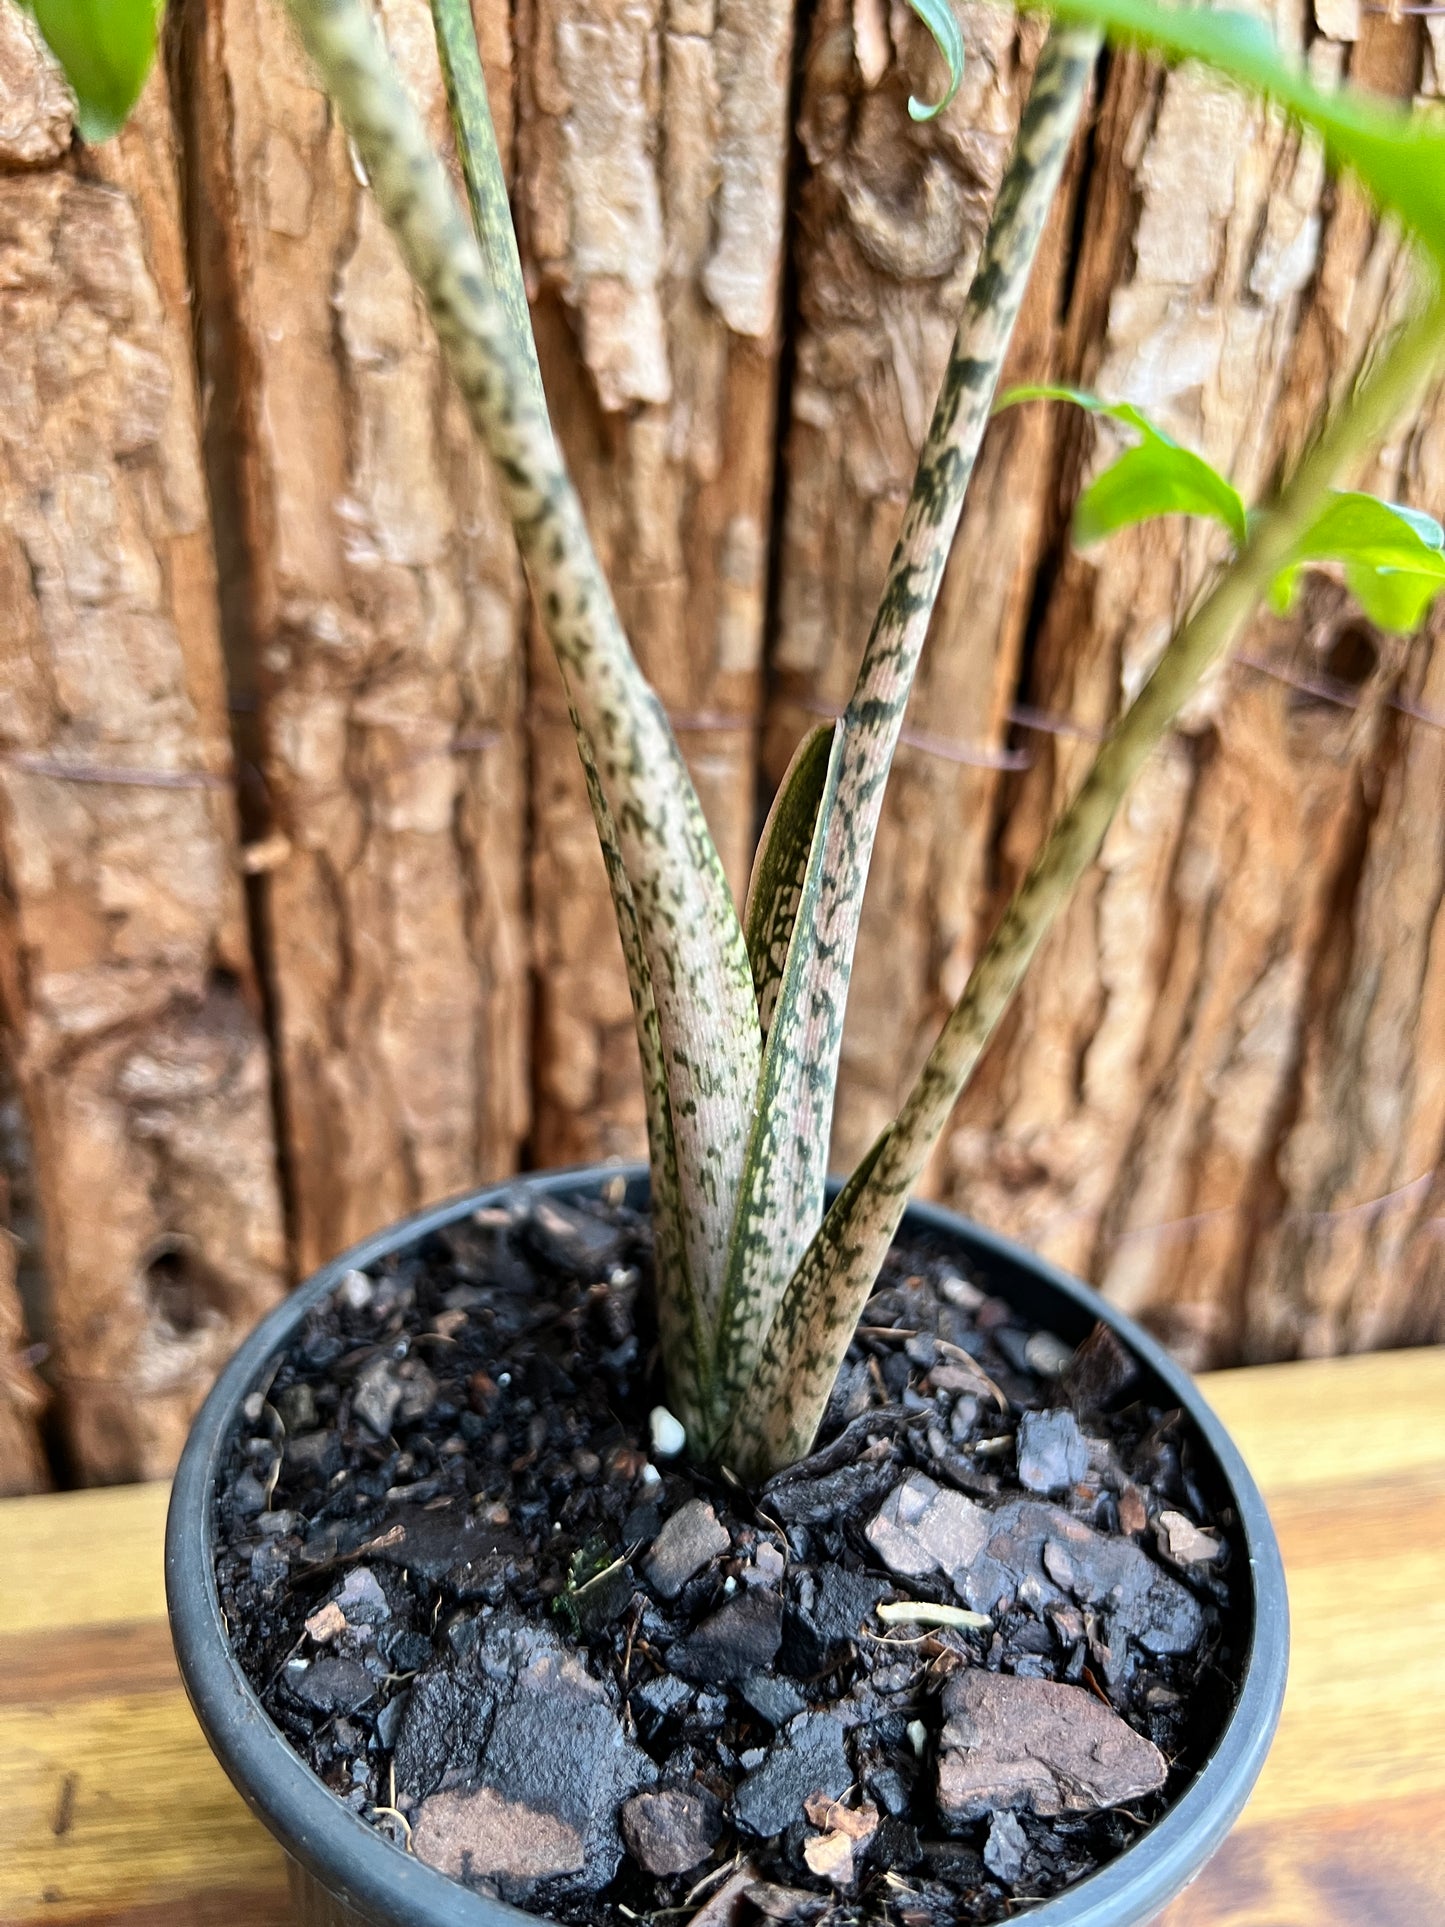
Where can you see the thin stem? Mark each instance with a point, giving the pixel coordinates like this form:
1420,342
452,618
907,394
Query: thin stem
811,1333
687,1344
696,956
874,716
482,169
781,1198
1077,837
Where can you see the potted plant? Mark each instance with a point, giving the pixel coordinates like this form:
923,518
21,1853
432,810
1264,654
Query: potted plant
709,1540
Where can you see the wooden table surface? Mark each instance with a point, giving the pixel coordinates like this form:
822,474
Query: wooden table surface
112,1810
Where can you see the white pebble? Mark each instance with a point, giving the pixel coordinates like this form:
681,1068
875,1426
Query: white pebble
918,1734
668,1435
354,1290
650,1475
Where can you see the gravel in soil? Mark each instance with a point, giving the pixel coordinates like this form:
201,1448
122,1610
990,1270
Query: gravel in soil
948,1665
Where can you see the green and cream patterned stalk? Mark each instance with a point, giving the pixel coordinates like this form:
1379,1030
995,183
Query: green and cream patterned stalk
482,169
781,1196
779,1417
686,1342
698,975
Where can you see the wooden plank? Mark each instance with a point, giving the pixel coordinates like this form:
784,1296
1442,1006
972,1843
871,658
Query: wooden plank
1347,1824
1380,1865
1337,1424
117,1802
79,1559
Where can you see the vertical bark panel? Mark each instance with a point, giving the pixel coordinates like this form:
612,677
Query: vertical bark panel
652,163
23,1466
379,596
125,978
891,218
1130,1121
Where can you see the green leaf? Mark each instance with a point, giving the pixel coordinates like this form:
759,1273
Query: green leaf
106,48
1393,557
780,866
1398,155
938,17
780,1193
1154,477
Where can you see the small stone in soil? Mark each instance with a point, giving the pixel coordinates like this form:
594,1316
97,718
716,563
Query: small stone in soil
691,1537
826,1618
671,1829
1186,1543
1099,1371
923,1528
1048,1355
809,1758
1009,1741
1133,1510
667,1432
1044,1552
376,1397
1052,1451
1006,1849
444,1724
659,1697
740,1638
480,1834
555,1768
334,1685
778,1700
574,1240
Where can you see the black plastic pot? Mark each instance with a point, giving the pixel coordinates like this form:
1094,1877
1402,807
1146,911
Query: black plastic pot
344,1874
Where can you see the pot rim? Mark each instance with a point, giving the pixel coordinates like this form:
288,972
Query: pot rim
365,1870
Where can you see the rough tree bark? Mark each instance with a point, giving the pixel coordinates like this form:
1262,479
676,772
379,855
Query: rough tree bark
23,1466
375,601
890,219
1250,949
652,160
125,978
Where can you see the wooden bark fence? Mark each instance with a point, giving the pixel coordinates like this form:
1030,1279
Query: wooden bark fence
301,919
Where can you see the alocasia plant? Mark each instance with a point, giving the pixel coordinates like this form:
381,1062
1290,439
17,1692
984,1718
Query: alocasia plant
739,1020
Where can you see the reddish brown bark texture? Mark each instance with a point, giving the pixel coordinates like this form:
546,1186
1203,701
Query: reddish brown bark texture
1233,1039
124,966
1232,1045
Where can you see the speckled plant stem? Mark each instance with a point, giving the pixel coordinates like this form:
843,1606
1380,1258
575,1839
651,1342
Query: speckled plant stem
781,1200
687,1345
808,1339
688,931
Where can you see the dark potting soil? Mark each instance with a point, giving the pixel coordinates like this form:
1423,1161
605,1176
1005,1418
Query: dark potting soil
954,1661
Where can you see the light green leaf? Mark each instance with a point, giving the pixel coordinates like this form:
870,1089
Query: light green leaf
1398,155
776,885
1393,557
106,48
938,17
1154,477
780,1195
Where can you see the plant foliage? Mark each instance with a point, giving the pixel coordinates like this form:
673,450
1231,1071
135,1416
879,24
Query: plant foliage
106,49
1392,557
939,18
